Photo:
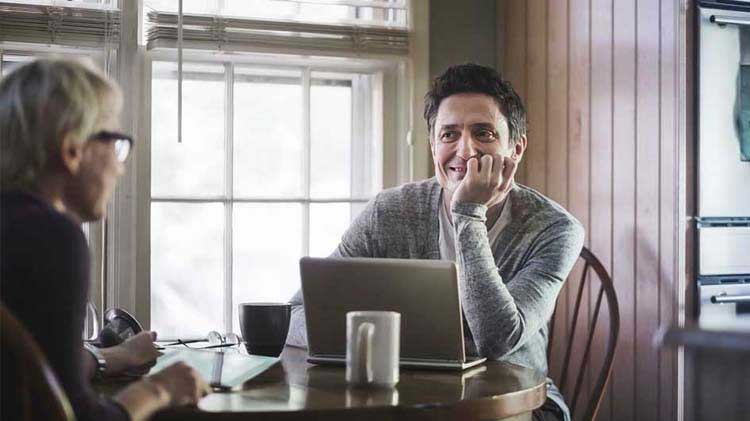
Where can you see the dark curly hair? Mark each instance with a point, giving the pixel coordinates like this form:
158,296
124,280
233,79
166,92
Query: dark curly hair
474,78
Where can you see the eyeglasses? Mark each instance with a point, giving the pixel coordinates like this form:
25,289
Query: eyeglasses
214,339
123,143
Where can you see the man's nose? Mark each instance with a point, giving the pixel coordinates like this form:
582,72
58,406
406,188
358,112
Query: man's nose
120,170
466,146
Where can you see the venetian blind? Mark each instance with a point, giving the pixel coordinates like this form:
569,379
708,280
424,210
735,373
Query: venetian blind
352,35
81,25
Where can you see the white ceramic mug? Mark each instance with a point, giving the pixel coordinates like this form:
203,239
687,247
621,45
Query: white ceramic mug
357,397
373,344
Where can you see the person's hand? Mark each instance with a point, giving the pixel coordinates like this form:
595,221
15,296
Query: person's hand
487,181
183,383
178,384
136,354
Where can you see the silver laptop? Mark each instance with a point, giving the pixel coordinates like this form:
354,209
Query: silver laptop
425,292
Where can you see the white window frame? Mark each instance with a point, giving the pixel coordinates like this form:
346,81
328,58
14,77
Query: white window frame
125,235
392,160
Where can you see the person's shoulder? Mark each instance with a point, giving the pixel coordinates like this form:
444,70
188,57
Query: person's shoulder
413,196
408,205
416,191
537,209
29,217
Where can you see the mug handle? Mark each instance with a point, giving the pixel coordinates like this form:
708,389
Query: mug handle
365,333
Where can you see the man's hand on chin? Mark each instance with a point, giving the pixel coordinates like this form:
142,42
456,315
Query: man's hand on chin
487,181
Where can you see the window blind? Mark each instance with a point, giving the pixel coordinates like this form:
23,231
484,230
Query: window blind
228,33
79,26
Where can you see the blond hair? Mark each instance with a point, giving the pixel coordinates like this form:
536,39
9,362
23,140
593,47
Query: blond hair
41,103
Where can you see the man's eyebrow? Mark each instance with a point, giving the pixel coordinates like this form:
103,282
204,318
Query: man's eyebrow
483,126
448,126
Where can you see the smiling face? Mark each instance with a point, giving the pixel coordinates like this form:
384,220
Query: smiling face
467,125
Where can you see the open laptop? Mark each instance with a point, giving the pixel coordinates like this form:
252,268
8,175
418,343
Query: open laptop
425,292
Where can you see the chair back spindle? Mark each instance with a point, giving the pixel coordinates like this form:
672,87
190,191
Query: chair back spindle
605,290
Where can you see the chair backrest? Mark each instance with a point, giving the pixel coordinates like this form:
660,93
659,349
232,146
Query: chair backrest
606,289
34,385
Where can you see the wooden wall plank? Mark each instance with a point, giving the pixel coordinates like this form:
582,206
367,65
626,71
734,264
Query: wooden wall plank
514,57
600,233
647,210
623,176
555,170
536,99
557,101
578,175
601,87
668,210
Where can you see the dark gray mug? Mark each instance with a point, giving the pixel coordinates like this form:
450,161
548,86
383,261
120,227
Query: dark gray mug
264,327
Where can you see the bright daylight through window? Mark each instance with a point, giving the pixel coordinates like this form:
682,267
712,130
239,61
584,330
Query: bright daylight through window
275,191
294,113
278,153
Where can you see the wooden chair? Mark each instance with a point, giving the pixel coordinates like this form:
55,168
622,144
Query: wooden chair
39,394
606,289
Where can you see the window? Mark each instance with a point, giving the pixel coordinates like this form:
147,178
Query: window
295,112
273,164
289,111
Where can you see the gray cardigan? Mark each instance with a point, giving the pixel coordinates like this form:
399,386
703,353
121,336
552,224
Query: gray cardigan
508,292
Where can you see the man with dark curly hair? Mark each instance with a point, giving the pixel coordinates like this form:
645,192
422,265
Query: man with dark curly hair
513,246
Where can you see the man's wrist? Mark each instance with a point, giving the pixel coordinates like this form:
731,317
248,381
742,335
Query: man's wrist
470,209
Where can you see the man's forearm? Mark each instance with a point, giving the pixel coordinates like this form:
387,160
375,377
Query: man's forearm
297,327
489,307
504,314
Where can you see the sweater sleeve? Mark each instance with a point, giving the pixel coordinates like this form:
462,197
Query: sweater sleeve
356,242
66,277
44,282
503,314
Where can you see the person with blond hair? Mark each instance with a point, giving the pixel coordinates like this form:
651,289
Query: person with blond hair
60,158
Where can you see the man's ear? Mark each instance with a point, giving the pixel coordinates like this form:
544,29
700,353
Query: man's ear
71,153
519,146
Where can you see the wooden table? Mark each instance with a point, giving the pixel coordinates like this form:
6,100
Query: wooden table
295,389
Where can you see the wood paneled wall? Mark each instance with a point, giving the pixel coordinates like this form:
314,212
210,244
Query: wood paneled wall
601,83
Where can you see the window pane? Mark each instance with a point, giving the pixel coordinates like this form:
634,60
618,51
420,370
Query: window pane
194,167
330,131
328,221
12,60
267,241
268,150
187,268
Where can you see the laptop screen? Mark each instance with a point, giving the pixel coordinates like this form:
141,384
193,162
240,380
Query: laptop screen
425,292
